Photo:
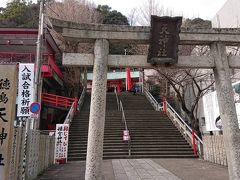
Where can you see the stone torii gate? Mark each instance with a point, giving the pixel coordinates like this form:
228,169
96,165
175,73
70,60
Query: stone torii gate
101,35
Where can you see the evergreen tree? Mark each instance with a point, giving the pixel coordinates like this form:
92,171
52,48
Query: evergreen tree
112,17
117,18
19,13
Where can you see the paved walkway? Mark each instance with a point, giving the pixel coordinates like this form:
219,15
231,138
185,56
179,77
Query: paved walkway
142,169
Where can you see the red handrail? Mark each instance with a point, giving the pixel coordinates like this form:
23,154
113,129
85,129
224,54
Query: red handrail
59,101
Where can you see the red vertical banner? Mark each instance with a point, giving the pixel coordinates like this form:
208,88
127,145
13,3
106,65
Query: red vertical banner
118,87
129,81
193,142
164,105
75,104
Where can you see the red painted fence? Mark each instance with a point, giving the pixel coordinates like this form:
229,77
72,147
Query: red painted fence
59,101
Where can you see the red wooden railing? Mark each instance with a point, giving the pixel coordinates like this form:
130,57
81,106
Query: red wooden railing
59,101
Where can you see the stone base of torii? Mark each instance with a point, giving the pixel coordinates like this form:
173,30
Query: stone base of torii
101,35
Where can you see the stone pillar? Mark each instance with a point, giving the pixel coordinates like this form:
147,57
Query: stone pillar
231,132
97,112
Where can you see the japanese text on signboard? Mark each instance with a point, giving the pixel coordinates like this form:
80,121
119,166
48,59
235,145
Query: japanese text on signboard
7,113
164,39
61,143
25,89
4,86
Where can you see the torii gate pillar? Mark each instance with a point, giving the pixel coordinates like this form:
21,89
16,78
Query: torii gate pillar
231,132
97,112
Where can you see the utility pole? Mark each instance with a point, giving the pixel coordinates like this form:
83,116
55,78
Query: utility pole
38,61
30,123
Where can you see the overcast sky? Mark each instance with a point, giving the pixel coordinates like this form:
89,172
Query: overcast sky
204,9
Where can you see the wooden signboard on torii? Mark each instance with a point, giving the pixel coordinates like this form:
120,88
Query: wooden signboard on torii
101,35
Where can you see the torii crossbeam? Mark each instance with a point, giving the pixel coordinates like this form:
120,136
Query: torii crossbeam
101,35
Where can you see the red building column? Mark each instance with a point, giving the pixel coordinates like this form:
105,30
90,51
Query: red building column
129,81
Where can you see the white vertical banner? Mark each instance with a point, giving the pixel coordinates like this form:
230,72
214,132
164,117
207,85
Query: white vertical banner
211,112
237,105
61,143
25,89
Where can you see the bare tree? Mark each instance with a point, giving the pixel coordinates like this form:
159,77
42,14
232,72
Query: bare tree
189,85
197,81
151,7
185,83
79,11
132,19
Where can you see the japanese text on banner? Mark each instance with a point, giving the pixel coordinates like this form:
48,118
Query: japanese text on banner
61,143
25,89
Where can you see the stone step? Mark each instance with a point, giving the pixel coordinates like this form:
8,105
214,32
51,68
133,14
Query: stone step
129,123
131,128
138,150
135,147
153,135
135,142
105,150
120,132
133,138
115,134
139,135
104,153
115,146
133,157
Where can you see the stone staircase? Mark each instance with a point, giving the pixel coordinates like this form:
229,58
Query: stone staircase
113,147
152,134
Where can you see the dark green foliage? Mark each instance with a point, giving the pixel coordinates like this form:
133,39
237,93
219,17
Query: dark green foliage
104,9
19,14
120,49
198,23
112,17
115,17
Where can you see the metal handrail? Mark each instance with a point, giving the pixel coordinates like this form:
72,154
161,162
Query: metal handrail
152,100
169,107
80,101
123,116
176,118
187,131
117,99
70,115
75,105
125,124
71,111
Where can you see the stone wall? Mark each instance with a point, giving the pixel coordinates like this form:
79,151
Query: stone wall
213,149
38,156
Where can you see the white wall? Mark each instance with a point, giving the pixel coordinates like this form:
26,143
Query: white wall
228,16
